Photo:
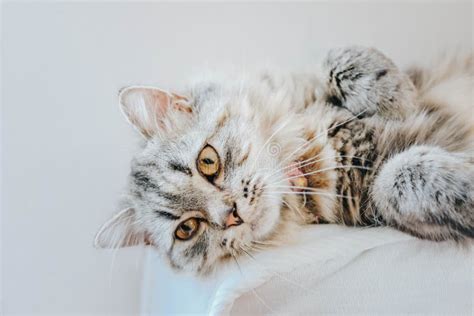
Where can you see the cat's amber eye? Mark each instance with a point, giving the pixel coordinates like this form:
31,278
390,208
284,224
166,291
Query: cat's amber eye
187,229
208,162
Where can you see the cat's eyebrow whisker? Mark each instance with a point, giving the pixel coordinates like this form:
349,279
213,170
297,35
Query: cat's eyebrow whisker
319,135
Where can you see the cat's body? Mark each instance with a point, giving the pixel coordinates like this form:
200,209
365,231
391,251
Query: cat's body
410,162
240,163
386,169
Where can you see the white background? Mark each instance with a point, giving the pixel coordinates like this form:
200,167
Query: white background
66,148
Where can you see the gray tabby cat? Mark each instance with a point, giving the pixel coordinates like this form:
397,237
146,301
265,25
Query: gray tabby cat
233,164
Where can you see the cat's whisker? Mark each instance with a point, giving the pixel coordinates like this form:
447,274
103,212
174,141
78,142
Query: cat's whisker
314,138
259,247
296,187
266,244
310,161
321,134
292,166
280,168
313,193
269,139
296,210
326,169
290,187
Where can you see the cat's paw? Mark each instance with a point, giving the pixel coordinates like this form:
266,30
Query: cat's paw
365,82
428,192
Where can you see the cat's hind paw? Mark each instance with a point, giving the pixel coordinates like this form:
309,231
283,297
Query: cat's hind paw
365,82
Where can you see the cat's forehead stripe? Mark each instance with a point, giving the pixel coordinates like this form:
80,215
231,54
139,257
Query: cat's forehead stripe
179,167
141,179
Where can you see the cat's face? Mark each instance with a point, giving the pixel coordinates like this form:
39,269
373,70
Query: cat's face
204,187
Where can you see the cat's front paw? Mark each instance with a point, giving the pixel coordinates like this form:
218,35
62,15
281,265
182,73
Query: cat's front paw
365,82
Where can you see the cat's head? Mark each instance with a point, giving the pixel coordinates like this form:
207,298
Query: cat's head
210,180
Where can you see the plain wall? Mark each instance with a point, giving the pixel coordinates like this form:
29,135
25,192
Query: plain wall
66,149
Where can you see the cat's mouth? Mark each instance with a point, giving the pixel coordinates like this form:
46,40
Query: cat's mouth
296,177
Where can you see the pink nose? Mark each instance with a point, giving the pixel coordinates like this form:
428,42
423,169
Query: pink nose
233,219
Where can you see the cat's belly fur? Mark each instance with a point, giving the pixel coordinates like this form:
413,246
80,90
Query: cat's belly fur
359,149
357,154
354,156
340,177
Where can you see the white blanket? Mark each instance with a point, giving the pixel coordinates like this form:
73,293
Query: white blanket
330,270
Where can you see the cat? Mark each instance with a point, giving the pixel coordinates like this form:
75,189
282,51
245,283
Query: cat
233,164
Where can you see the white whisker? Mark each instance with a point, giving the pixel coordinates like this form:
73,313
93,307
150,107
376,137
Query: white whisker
309,161
326,169
319,135
296,210
269,139
312,193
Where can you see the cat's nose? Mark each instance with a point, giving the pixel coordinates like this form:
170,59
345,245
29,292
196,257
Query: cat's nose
233,219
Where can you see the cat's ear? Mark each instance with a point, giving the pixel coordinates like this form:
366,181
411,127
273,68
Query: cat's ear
121,231
151,110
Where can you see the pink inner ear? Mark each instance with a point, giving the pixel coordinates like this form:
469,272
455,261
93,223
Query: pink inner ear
160,101
148,108
157,104
181,103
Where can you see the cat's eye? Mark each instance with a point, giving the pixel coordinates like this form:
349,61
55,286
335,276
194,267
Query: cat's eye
208,162
187,229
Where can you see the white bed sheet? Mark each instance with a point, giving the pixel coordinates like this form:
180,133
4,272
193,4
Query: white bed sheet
330,270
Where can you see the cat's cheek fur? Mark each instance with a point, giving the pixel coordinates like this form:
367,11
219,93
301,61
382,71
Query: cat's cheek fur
236,238
266,220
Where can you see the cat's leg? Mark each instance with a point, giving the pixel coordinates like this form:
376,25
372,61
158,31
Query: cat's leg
363,80
427,192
